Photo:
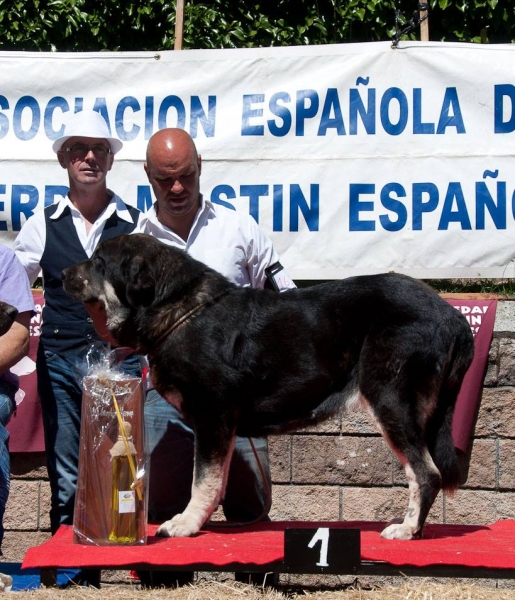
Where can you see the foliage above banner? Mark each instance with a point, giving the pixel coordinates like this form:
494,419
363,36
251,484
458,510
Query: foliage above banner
91,25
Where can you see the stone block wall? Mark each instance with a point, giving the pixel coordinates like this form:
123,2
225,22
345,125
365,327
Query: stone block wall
343,470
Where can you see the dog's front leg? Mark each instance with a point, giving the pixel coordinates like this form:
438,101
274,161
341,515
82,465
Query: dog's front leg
208,489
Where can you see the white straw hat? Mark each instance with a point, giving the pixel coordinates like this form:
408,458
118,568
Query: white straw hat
87,123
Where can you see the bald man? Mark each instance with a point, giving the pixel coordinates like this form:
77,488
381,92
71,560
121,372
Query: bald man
232,244
173,169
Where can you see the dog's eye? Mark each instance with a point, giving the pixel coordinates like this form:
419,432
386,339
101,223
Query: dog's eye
99,264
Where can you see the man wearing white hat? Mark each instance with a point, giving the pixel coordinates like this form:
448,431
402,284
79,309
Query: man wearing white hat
61,235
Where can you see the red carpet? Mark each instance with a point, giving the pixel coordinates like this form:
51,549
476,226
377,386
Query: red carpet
491,546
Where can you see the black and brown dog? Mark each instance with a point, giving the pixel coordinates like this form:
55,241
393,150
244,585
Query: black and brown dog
8,314
255,362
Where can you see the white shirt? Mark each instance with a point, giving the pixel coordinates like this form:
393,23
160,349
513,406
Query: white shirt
29,245
227,241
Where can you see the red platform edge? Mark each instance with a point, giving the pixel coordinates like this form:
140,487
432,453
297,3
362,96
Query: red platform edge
489,546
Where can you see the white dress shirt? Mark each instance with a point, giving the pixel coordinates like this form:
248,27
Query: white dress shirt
227,241
29,245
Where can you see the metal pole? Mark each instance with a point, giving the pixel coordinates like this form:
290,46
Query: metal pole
179,24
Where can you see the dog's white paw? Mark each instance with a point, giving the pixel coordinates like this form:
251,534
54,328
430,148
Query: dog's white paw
179,526
400,531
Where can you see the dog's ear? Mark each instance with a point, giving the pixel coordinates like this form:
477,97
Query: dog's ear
140,289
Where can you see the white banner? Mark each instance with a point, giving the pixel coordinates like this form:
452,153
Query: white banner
354,158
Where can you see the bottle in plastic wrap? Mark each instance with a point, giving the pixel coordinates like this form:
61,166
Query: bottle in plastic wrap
125,505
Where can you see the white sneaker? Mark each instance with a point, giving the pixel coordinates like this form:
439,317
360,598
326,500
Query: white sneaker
6,582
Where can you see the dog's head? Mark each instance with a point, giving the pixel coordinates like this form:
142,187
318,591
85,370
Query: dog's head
119,278
7,316
131,277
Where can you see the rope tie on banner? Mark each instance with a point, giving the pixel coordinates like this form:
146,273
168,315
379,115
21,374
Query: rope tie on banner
414,22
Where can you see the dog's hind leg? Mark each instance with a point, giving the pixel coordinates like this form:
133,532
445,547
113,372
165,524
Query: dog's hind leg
424,483
405,437
425,446
209,482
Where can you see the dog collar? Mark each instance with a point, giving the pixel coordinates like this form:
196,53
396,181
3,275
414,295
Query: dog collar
186,316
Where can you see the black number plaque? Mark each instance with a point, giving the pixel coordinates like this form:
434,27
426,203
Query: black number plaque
322,550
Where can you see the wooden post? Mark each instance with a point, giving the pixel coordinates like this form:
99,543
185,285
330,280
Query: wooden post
179,25
424,21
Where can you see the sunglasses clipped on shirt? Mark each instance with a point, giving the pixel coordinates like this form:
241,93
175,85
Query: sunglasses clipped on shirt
81,150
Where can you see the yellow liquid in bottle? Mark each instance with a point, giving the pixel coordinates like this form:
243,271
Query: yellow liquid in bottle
124,504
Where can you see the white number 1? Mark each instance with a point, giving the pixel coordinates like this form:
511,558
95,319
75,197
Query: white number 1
322,535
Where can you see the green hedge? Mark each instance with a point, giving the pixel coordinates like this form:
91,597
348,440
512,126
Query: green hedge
93,25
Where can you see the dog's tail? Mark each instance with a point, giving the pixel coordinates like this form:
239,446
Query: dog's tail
439,430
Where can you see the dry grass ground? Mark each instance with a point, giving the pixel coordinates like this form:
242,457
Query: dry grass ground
233,591
415,589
